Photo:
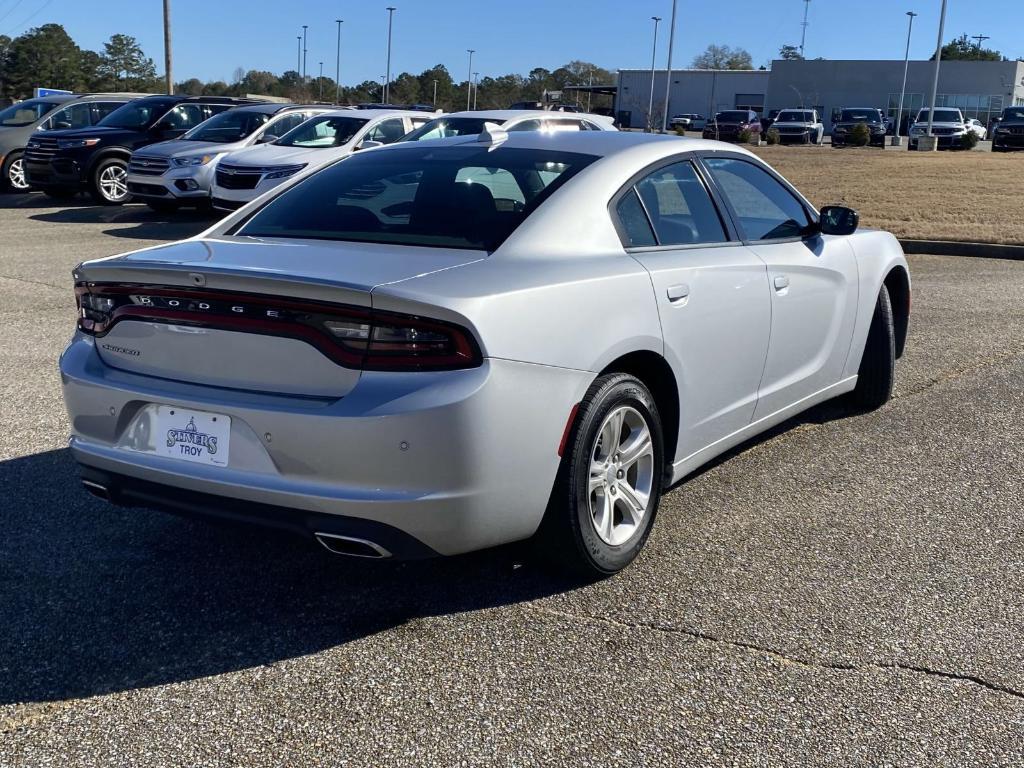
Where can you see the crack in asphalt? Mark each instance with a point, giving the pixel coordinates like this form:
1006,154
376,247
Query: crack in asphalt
978,365
31,282
700,636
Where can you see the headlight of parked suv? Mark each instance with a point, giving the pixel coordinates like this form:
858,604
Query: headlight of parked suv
76,143
186,162
284,173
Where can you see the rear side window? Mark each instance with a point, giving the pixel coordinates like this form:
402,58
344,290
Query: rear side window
679,207
453,197
101,109
183,116
387,131
636,228
765,209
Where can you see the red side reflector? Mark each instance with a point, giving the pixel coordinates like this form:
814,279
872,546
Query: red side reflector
568,428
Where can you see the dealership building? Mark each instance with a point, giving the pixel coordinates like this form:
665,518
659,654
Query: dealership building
981,89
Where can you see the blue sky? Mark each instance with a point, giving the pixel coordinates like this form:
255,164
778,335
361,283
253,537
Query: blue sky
213,37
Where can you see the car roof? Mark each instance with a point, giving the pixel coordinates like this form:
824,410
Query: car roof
373,114
596,143
529,114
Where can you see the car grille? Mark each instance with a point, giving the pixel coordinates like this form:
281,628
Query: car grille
791,128
238,176
942,131
1015,130
148,166
41,149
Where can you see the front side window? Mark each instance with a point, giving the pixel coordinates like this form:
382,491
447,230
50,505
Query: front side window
100,109
764,208
455,197
679,207
447,127
74,116
324,131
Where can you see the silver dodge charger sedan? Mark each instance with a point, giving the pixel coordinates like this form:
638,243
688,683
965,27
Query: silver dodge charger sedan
441,346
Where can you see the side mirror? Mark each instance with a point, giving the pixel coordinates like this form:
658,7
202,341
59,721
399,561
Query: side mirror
837,220
369,144
267,138
62,124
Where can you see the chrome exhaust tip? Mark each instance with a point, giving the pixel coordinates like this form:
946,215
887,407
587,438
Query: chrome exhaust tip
351,547
97,490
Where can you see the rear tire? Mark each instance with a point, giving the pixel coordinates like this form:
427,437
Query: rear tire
13,174
107,183
878,365
606,494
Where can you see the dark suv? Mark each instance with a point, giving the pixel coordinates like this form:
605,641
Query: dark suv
64,162
728,125
851,117
1008,133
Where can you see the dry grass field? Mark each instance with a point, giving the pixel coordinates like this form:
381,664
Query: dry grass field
965,196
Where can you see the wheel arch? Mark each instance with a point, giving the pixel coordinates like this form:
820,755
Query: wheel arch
897,282
656,374
107,153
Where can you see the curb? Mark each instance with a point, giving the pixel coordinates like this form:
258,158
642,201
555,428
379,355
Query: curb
951,248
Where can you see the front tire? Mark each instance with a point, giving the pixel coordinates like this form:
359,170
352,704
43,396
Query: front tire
13,174
107,184
609,484
878,365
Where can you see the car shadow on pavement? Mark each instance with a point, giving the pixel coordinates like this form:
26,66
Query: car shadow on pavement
96,599
29,200
134,222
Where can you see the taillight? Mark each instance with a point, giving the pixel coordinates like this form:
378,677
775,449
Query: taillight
354,337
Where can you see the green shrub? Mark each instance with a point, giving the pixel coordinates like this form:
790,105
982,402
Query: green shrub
773,136
680,130
969,140
860,135
744,136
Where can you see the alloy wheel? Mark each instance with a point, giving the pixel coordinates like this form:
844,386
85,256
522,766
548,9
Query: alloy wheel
621,475
112,183
16,175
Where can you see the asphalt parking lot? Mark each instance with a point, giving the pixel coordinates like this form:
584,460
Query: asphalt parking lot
845,591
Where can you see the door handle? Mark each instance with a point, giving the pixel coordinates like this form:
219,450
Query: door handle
677,292
781,283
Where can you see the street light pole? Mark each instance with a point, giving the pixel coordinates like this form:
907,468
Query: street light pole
476,87
305,50
387,71
668,70
654,54
167,47
896,139
435,93
337,67
469,79
321,82
935,81
298,60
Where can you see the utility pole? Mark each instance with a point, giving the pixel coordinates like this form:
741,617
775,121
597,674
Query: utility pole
167,47
469,79
435,93
668,70
803,34
298,61
476,87
305,50
654,53
590,92
896,140
387,71
337,67
321,99
935,81
980,39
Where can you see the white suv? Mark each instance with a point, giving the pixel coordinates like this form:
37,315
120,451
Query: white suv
180,172
799,126
948,127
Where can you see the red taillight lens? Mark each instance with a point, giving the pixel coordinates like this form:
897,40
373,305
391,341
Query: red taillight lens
355,337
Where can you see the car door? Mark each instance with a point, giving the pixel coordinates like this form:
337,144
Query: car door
712,295
812,280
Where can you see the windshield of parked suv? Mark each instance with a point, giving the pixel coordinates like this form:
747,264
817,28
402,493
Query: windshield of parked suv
233,125
463,196
326,131
137,114
1013,114
446,127
25,112
941,116
795,117
732,117
859,116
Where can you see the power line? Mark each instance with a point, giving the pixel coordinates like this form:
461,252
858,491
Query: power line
26,21
12,9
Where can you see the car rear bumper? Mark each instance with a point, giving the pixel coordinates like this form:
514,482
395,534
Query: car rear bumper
458,460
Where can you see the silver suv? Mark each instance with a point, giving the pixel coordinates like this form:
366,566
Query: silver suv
180,172
19,121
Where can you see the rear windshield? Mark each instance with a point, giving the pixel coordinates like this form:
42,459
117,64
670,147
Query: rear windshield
25,112
446,127
137,114
860,116
463,196
324,131
733,117
233,125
